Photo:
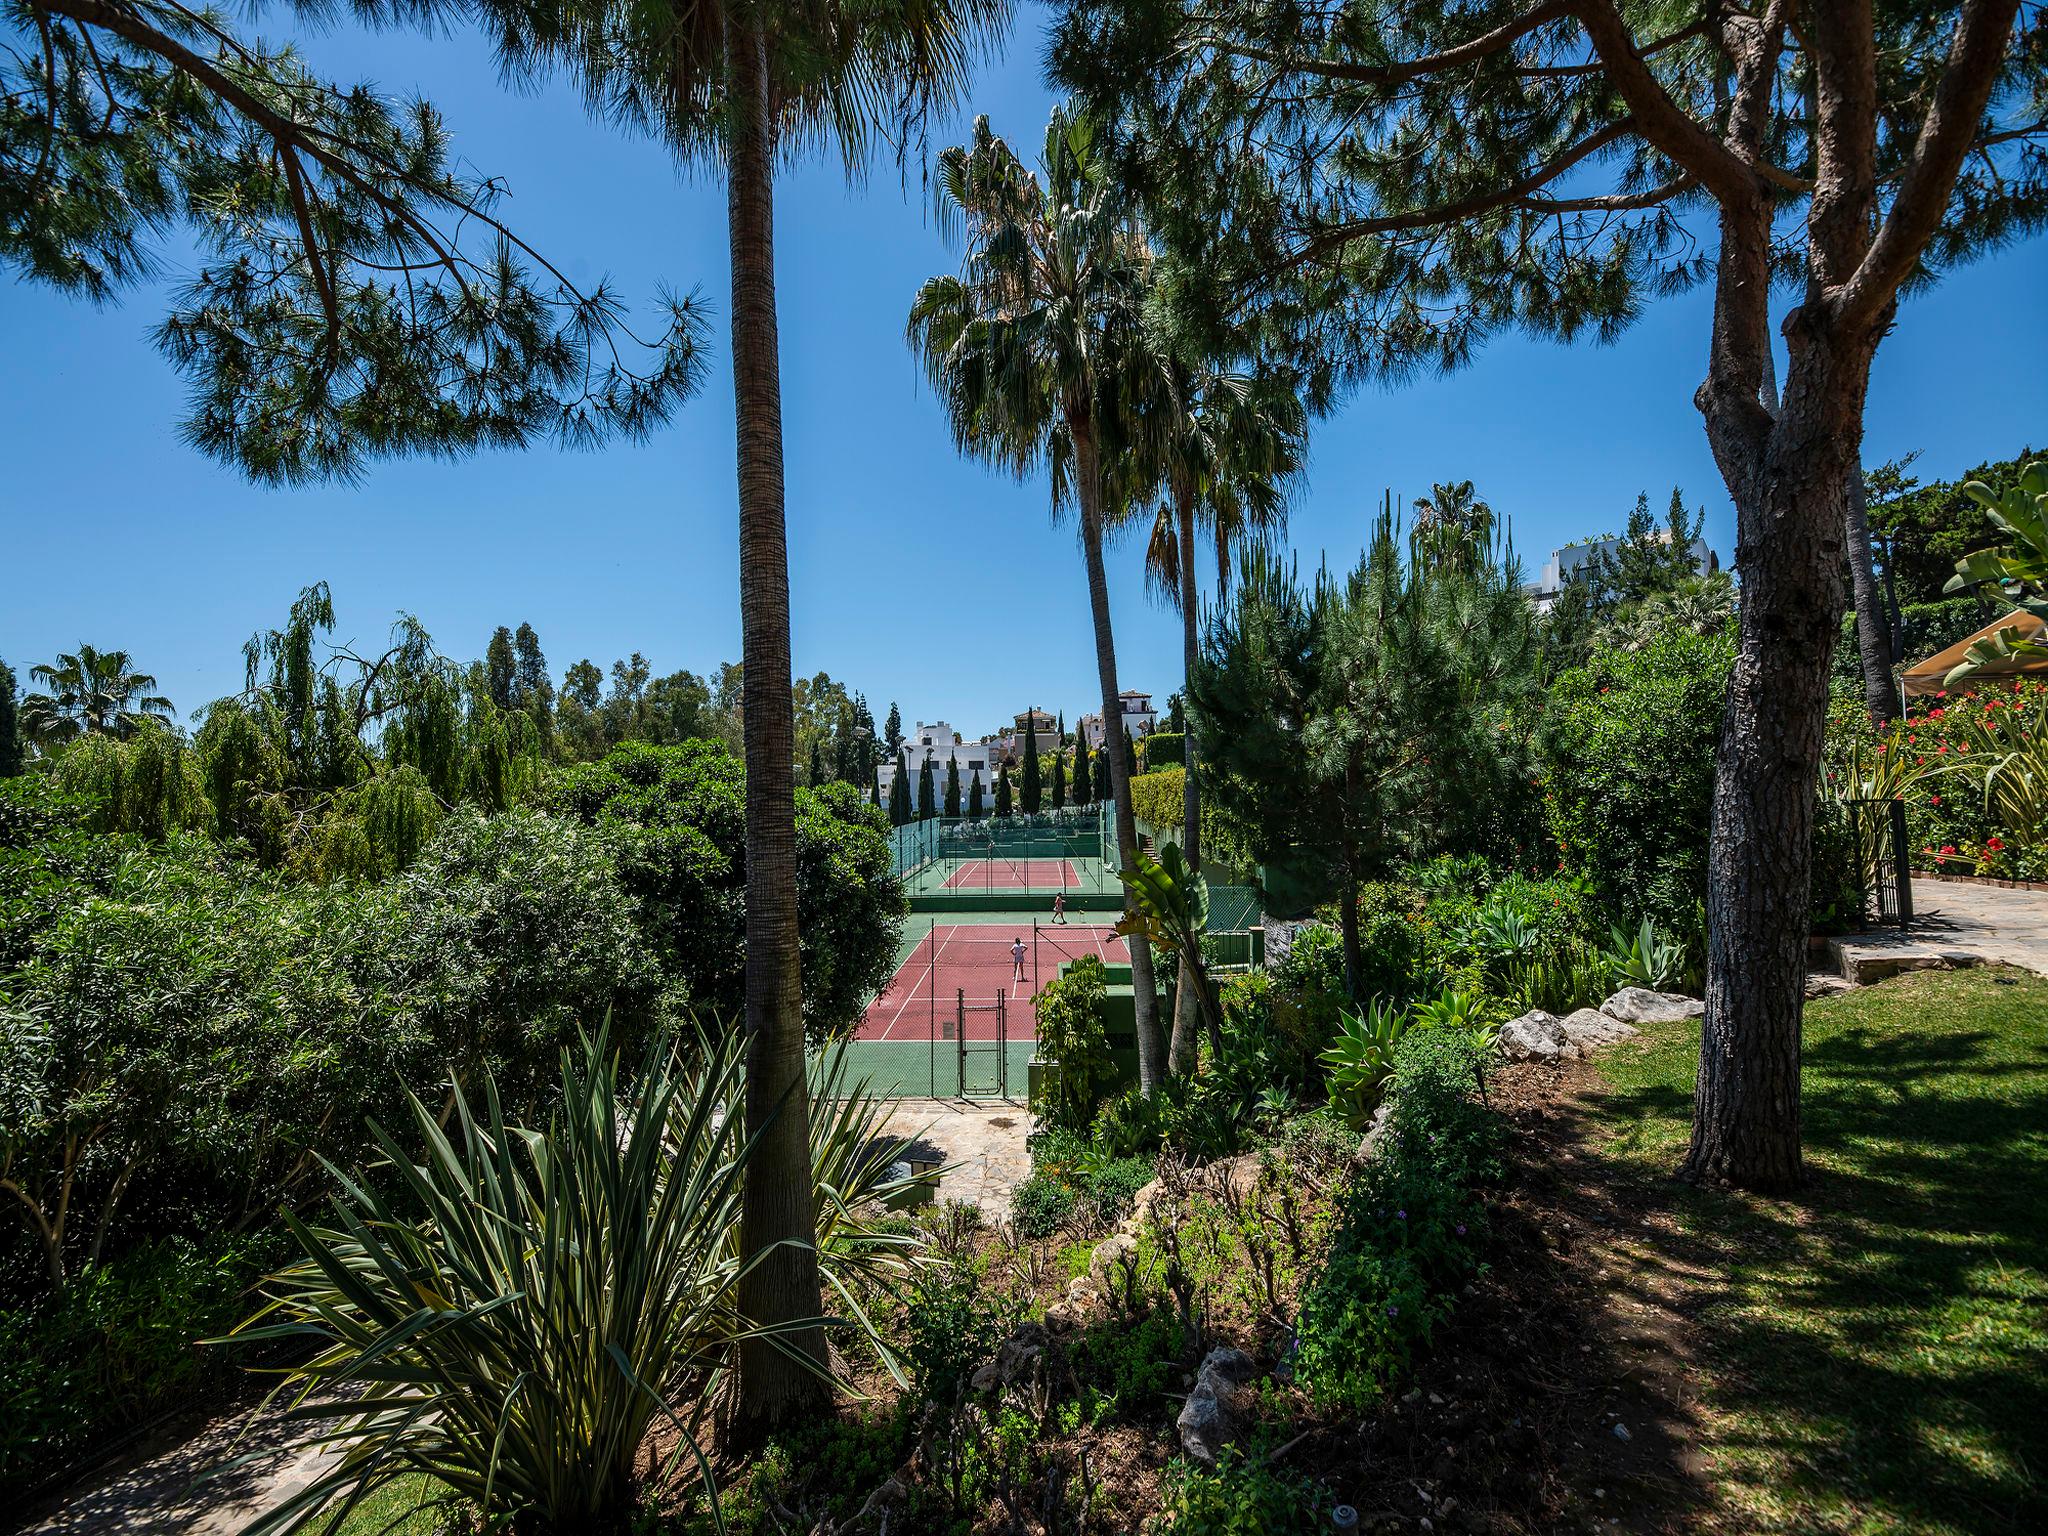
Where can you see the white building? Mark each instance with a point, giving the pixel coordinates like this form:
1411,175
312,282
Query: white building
1565,563
939,744
1139,719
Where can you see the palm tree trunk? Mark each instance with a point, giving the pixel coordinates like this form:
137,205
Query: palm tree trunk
1088,490
1180,1055
777,1219
1873,634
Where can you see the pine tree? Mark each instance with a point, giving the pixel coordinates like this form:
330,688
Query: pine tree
927,806
1003,791
10,725
952,786
899,793
501,667
1059,781
1033,774
974,796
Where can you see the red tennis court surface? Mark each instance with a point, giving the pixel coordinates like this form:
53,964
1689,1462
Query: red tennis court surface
976,959
1015,875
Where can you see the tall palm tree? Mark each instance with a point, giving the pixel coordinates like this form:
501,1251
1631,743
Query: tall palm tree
1230,445
743,83
1452,524
92,693
1038,347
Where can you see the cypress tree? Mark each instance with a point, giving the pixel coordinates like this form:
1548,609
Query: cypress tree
1102,773
1059,780
1003,791
1084,781
875,790
974,796
899,794
952,786
10,725
1033,774
927,806
892,732
817,761
501,666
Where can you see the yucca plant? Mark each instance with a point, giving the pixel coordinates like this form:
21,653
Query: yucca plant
510,1311
1360,1061
1644,958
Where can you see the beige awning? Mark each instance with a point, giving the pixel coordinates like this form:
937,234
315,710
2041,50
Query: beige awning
1930,676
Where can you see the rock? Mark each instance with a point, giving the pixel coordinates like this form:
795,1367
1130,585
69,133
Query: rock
1639,1005
1369,1143
1108,1254
1083,1300
1588,1029
1822,984
1018,1359
1535,1036
1213,1414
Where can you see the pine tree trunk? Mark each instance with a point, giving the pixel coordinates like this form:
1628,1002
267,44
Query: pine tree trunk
1088,490
776,1213
1790,482
1180,1057
1873,633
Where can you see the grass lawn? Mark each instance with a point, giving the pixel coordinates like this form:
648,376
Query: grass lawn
1876,1349
393,1511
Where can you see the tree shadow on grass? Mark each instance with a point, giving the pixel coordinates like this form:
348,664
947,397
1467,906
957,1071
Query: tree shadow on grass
1876,1346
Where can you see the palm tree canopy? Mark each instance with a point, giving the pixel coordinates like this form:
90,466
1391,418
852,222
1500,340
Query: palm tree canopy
1235,444
91,693
844,72
1042,331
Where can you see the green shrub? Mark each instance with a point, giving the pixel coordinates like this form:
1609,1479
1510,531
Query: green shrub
117,1346
1043,1204
950,1331
1127,1366
1113,1185
1242,1496
1411,1230
1073,1042
1127,1124
1629,746
1360,1061
676,818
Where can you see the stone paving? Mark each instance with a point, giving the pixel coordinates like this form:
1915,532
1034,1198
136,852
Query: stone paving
1953,925
215,1484
984,1142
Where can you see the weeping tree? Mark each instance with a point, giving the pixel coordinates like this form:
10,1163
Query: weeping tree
1383,196
1038,349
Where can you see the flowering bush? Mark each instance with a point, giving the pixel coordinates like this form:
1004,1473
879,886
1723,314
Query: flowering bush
1973,771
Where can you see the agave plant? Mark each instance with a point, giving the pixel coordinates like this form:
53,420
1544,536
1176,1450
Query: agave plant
1644,958
1459,1012
1360,1061
510,1311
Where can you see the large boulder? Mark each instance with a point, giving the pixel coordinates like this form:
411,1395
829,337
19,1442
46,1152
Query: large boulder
1588,1029
1639,1005
1535,1036
1214,1413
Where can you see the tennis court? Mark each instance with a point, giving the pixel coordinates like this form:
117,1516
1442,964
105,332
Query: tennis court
922,998
1000,874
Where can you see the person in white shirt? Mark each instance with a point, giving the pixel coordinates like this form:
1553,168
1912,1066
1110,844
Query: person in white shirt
1017,956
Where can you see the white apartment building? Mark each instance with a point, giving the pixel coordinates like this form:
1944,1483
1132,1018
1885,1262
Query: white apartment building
940,743
1139,719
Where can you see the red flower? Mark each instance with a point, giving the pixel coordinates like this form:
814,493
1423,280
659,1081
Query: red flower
1993,844
1934,799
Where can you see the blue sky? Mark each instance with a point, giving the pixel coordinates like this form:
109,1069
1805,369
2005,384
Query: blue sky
916,575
